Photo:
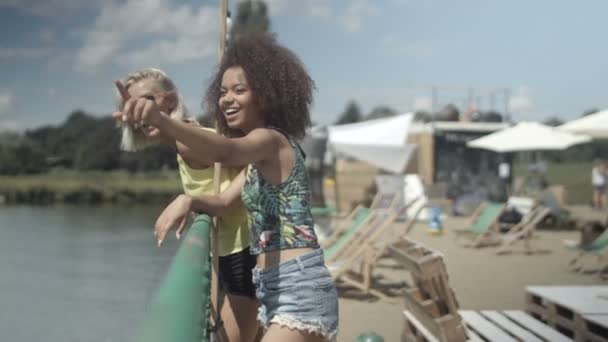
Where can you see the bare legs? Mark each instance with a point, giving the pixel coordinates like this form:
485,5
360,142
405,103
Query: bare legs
239,314
277,333
598,198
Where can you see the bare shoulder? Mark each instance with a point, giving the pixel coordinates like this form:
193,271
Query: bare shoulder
267,136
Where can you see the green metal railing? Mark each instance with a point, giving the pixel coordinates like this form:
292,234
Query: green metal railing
179,311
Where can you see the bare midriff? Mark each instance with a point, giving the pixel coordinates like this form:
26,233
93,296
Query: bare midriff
276,257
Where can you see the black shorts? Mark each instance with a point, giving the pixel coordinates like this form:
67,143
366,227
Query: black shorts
235,273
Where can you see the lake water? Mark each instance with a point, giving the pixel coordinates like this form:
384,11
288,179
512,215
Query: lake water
77,273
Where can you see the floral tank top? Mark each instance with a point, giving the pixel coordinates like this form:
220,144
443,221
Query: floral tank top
279,216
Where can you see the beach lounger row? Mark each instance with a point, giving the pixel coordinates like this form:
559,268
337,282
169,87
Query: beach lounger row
483,229
362,238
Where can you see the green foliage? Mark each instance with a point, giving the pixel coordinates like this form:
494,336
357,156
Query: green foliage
251,15
423,116
553,121
575,176
19,155
381,112
590,111
82,142
351,114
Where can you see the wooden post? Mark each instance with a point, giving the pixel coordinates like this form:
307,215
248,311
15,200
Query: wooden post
216,189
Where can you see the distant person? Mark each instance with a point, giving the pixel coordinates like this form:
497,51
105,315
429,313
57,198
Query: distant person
504,173
239,308
558,216
547,199
598,182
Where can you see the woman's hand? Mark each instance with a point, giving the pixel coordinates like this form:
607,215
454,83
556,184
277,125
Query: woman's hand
175,214
137,112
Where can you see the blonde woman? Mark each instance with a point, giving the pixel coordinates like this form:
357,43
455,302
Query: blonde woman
239,308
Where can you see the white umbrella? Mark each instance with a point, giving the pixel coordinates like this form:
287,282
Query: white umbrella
528,136
380,142
594,125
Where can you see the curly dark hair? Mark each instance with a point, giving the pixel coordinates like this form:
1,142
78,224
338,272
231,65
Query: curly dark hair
281,86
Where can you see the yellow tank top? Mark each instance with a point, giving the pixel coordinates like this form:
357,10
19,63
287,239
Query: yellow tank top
233,230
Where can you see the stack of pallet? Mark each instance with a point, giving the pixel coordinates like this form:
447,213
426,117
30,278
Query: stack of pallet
580,312
431,311
429,298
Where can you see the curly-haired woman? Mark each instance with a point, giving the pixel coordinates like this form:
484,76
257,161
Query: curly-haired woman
260,97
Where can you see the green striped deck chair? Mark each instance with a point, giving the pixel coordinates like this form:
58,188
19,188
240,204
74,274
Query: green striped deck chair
598,247
335,243
352,264
482,225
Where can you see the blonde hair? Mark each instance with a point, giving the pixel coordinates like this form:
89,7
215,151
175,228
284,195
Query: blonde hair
134,140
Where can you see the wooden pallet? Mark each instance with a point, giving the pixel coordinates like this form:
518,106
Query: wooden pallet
580,312
502,326
429,297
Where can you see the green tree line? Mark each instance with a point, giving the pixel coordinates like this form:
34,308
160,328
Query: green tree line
82,142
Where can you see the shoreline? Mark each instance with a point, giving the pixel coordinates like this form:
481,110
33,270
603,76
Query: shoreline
89,188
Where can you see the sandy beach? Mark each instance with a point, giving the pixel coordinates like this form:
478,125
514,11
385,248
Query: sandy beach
480,278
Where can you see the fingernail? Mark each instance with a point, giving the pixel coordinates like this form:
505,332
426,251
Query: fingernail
178,235
159,242
124,118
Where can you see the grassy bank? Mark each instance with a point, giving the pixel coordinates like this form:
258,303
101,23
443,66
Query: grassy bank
90,187
575,176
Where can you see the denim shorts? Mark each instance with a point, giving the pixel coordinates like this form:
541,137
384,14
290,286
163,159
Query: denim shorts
298,294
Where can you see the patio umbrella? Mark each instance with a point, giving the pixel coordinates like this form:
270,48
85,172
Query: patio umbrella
594,125
528,136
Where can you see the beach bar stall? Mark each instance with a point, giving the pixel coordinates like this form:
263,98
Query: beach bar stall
435,151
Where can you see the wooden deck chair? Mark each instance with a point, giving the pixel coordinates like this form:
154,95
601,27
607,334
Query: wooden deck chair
379,247
357,265
598,247
524,230
482,225
344,231
347,263
343,225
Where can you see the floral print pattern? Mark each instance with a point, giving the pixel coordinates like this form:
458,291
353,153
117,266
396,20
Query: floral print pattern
279,216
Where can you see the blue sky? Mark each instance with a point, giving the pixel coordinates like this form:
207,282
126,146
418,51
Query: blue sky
61,55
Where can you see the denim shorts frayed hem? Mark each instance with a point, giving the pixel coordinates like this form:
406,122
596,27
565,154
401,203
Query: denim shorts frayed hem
298,294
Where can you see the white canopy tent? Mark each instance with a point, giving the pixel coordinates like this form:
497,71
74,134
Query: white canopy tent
528,136
380,142
594,125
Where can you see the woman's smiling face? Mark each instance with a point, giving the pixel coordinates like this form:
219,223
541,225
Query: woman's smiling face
237,101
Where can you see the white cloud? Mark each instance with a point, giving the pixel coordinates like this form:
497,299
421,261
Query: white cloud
10,125
49,8
47,36
353,16
423,103
320,10
175,34
277,6
18,53
521,101
7,100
